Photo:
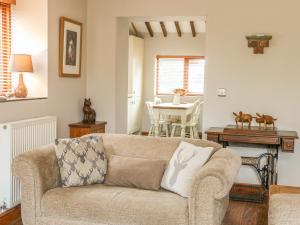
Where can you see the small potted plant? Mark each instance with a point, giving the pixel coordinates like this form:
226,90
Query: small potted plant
177,95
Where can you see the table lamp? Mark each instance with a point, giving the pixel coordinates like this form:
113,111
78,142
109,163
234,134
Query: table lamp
21,63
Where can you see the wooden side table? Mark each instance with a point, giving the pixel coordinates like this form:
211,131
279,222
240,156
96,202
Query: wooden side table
80,129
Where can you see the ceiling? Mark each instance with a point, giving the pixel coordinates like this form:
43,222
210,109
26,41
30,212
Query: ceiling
184,24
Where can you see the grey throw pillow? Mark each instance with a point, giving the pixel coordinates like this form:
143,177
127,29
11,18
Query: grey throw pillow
82,161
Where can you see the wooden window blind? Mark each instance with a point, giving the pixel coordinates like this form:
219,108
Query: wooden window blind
5,47
186,72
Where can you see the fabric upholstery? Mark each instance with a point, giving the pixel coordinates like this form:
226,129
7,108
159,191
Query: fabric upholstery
38,172
147,147
40,178
135,172
115,205
81,161
212,186
186,162
284,209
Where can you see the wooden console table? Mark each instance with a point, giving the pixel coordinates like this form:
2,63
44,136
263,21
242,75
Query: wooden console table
272,138
80,129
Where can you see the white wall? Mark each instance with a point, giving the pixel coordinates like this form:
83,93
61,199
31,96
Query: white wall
65,95
265,83
121,76
170,45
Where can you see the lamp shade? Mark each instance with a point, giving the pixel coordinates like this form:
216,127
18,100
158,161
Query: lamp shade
20,63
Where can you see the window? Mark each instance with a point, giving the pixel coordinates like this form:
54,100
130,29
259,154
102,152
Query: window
186,72
5,47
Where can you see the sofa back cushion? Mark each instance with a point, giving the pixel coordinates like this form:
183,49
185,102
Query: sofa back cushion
147,147
135,172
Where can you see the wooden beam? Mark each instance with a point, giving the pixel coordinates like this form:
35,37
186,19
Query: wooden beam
136,33
193,28
149,28
163,28
178,28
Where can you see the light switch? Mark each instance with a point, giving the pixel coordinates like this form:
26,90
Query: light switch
222,92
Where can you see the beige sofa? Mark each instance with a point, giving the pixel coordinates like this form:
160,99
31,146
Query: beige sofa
284,205
44,202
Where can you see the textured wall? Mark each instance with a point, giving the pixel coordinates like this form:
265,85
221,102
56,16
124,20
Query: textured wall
266,83
65,95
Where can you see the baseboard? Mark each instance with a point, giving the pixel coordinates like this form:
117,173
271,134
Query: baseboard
11,216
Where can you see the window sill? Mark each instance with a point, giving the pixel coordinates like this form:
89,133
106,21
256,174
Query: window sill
14,99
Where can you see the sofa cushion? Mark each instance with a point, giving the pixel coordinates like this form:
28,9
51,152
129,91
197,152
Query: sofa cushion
184,166
135,172
115,205
82,161
147,147
284,209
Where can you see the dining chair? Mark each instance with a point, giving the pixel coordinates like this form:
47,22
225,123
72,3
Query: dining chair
157,100
164,124
193,122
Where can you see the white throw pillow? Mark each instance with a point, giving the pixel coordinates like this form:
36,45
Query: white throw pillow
185,164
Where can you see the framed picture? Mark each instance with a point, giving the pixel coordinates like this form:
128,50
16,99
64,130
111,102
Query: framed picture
70,47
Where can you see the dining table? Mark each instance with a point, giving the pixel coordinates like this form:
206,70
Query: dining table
182,110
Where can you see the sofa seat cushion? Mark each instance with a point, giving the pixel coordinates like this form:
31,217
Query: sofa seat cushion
284,209
115,205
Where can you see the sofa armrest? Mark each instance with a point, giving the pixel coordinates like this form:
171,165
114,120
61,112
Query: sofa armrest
38,172
210,192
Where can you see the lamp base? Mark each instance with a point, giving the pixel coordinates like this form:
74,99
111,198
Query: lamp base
21,90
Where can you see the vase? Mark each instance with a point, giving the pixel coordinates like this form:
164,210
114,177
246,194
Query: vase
176,100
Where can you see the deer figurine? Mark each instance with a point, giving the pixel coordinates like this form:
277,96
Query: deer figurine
89,113
179,165
243,118
266,120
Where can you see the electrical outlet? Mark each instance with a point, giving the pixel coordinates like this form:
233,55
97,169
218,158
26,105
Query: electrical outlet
222,92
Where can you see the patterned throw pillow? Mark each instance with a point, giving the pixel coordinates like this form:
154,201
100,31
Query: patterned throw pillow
82,161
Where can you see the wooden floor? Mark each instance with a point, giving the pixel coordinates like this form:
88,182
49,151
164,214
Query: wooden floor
245,213
239,213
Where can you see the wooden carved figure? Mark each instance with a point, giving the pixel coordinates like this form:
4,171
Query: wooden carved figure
243,118
89,114
266,120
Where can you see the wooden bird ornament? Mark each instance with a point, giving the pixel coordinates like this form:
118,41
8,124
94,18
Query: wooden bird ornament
266,120
243,118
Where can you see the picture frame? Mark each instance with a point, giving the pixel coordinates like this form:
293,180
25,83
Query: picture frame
70,48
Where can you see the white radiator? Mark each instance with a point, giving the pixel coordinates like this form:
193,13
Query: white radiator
16,138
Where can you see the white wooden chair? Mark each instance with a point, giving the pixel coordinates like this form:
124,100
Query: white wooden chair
192,124
157,100
163,124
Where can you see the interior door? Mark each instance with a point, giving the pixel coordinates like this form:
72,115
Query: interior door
135,84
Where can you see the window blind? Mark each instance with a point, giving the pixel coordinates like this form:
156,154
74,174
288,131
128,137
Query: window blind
185,72
5,47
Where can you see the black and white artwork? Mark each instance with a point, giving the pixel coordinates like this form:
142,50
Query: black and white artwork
70,48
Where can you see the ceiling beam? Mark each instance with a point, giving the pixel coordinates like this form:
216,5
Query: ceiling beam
136,33
193,28
149,28
178,28
163,28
